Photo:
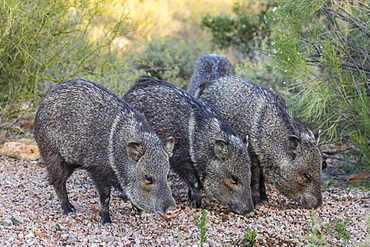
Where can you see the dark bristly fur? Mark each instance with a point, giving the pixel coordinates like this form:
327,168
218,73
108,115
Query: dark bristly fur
81,124
208,154
283,149
207,70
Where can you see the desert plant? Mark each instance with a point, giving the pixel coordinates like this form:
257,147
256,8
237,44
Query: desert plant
201,223
170,59
246,30
338,228
45,42
325,45
249,238
316,234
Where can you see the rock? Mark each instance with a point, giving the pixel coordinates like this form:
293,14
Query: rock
16,220
6,222
326,177
30,235
26,121
358,178
56,228
19,150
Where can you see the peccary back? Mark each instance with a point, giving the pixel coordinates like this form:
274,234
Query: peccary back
208,68
81,124
283,149
208,154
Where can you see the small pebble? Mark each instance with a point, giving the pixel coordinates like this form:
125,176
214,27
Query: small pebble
16,220
6,222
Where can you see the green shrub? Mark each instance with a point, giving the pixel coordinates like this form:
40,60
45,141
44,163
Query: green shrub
201,223
171,59
325,45
246,30
44,42
249,238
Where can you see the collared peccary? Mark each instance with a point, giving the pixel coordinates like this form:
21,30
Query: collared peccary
208,154
283,149
209,68
81,124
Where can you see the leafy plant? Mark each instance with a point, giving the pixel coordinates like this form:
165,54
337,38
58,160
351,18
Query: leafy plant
170,59
249,238
246,30
338,228
45,42
319,232
201,223
325,46
316,235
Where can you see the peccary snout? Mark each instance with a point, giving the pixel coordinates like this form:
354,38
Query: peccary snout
309,201
150,189
171,213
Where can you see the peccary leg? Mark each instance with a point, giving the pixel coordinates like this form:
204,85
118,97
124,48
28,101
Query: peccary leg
194,192
255,184
188,173
262,188
104,190
58,173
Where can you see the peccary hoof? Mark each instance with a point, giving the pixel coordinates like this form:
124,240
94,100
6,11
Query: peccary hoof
68,208
195,198
257,201
71,214
106,220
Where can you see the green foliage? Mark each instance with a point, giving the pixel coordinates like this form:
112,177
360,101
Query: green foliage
43,42
365,186
319,231
316,235
246,30
249,238
338,229
366,241
325,45
170,59
201,222
173,18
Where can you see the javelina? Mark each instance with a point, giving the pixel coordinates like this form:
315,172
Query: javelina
81,124
208,154
283,149
209,68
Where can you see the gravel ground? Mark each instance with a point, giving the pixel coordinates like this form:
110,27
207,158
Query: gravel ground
26,196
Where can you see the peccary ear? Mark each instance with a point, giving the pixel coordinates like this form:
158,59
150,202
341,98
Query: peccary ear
135,150
317,135
293,144
221,149
168,146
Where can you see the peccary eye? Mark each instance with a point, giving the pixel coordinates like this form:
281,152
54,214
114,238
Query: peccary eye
234,179
148,179
307,177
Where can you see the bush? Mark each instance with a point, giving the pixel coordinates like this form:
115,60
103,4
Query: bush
170,59
247,30
44,42
325,45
